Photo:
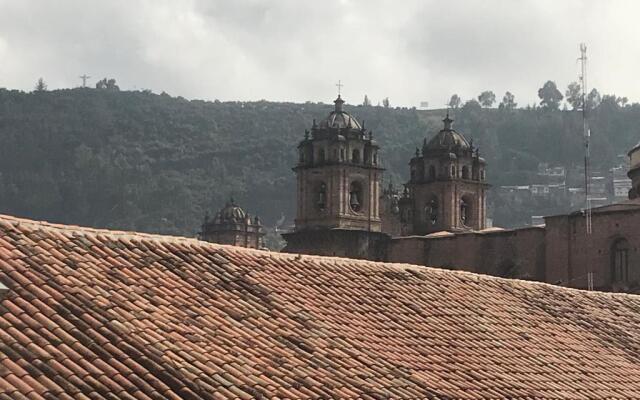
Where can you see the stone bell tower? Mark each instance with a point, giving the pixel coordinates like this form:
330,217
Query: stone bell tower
447,186
338,190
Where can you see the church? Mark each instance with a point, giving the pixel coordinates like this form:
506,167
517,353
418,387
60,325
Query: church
439,219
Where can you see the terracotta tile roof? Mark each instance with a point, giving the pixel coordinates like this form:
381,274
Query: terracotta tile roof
94,314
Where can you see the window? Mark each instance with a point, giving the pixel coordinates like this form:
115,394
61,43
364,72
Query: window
321,156
453,171
465,211
465,172
375,158
431,211
341,154
321,197
301,156
432,172
620,261
481,174
355,156
355,197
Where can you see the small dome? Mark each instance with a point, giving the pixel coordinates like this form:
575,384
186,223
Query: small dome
231,213
339,118
447,139
634,149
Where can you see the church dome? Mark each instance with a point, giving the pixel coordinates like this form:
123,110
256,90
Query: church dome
338,118
447,139
231,213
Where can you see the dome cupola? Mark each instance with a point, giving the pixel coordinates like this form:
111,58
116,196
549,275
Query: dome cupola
447,140
339,119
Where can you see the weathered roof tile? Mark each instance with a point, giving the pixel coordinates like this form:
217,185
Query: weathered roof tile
93,314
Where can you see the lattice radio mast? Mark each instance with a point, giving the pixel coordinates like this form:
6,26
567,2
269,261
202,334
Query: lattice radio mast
586,133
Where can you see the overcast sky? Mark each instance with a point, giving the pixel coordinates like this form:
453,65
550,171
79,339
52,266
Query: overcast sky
295,50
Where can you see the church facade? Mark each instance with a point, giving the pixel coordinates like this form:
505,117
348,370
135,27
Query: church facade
439,219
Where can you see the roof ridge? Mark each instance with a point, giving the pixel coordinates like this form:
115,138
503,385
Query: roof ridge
133,235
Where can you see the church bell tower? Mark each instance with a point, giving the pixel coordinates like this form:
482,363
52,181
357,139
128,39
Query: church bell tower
338,189
447,186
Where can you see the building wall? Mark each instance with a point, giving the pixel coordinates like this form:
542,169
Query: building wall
515,253
571,254
339,243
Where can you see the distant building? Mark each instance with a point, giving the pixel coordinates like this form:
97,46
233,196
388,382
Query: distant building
562,251
447,186
338,190
232,225
619,183
439,219
557,172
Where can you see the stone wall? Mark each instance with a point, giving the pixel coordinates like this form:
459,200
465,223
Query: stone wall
339,243
571,253
517,253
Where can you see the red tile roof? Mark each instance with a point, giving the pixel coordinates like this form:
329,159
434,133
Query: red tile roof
93,314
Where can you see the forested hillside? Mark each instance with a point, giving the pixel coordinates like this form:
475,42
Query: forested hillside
155,163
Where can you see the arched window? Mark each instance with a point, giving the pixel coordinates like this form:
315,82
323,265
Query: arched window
431,211
465,211
355,196
432,172
465,172
321,197
355,156
453,171
620,261
341,154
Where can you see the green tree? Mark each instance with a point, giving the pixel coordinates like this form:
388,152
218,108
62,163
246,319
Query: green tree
487,98
574,95
593,99
41,86
366,102
109,84
385,102
454,101
550,96
508,101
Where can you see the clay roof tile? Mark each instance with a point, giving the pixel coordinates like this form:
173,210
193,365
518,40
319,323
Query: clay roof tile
94,314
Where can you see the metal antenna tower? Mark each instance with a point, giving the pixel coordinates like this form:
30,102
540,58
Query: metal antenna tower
586,133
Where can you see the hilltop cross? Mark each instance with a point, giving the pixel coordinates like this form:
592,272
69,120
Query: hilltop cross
84,79
339,85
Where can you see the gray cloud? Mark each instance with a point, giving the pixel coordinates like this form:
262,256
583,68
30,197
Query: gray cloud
296,50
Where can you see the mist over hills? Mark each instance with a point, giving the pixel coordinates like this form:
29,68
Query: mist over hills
140,161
